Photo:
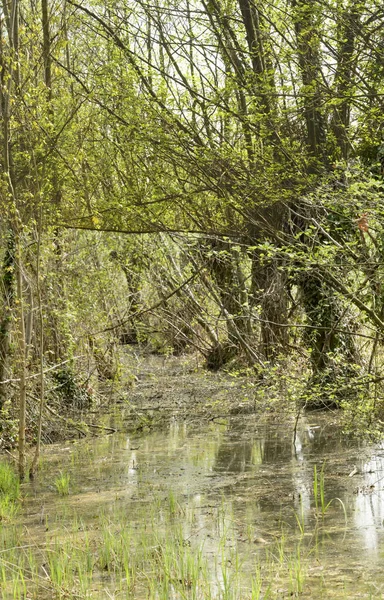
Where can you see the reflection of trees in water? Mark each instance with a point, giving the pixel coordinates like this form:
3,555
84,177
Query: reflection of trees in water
369,503
242,449
287,470
277,446
239,449
323,440
234,456
315,444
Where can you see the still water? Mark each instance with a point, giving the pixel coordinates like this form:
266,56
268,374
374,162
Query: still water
241,491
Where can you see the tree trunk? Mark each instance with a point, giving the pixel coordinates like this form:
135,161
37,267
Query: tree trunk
345,75
8,298
327,344
35,461
306,22
269,293
22,364
225,268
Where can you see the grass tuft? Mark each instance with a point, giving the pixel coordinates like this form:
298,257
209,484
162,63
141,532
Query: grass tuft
9,492
62,483
9,482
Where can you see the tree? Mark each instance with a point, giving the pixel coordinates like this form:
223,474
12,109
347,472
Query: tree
250,146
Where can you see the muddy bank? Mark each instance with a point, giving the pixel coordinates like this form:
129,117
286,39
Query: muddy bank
151,391
165,388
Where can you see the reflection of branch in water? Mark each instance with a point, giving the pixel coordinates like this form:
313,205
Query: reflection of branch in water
295,428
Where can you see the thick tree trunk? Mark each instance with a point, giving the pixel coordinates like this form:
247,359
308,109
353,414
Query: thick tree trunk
269,293
333,353
226,271
348,27
269,281
320,311
306,19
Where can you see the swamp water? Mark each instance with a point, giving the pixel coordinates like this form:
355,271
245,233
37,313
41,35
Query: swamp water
230,509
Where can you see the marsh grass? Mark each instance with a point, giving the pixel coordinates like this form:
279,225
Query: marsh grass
319,494
319,491
9,492
61,483
297,572
9,481
174,506
161,552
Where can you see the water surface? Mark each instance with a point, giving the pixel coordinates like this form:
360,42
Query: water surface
239,490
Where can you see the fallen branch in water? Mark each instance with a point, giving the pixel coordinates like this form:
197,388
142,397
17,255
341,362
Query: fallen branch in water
110,429
68,421
72,424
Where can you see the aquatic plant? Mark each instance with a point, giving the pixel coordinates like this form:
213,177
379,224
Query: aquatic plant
9,491
319,494
62,483
169,545
9,481
318,491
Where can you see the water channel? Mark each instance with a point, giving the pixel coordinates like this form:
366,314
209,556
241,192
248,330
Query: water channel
235,508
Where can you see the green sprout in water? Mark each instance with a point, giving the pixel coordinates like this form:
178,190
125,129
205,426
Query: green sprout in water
62,483
319,495
9,491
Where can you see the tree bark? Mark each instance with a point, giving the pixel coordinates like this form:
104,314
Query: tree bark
8,297
22,363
